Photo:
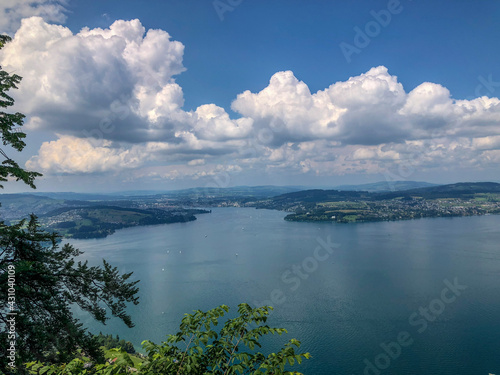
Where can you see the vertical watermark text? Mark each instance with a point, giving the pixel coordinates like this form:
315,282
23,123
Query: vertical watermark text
11,316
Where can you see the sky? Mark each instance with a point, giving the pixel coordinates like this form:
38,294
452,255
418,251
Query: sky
169,94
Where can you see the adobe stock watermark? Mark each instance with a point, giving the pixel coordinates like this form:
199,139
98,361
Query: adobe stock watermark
11,316
224,6
297,273
419,319
485,84
372,29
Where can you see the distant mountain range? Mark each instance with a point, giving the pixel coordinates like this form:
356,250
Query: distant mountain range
197,192
237,191
385,186
458,190
15,206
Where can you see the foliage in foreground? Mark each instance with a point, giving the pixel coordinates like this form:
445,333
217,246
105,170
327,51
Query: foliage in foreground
198,349
10,125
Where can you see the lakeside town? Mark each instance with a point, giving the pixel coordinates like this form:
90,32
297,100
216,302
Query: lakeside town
394,209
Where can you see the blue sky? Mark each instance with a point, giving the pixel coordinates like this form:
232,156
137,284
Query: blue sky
447,42
417,100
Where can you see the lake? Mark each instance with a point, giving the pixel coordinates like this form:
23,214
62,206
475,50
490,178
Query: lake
406,297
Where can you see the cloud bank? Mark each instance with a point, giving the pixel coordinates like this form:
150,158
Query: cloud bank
112,98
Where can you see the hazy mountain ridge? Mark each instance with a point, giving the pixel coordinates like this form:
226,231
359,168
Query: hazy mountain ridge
209,191
383,186
457,190
450,190
14,206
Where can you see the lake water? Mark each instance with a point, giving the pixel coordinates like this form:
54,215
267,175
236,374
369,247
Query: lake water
344,304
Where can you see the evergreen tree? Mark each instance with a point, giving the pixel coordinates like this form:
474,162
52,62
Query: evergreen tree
10,124
40,281
48,281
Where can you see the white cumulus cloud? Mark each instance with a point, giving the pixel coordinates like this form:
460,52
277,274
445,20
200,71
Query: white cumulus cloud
369,109
78,155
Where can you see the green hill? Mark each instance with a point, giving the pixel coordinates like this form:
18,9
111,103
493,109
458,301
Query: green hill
101,221
384,186
461,199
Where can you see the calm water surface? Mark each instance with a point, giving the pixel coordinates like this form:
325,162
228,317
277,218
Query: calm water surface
344,307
